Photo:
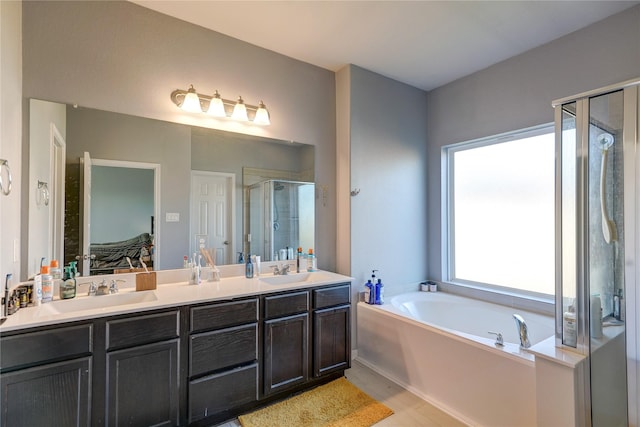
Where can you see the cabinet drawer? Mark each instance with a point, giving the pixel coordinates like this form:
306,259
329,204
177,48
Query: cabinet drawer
217,393
335,295
131,331
224,315
34,348
285,304
212,351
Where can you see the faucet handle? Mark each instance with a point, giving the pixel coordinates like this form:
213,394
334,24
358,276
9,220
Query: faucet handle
92,289
113,287
499,339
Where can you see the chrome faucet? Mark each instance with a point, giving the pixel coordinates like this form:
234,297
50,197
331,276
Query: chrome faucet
522,331
95,290
281,270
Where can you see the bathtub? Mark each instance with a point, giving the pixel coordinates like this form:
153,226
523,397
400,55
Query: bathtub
437,346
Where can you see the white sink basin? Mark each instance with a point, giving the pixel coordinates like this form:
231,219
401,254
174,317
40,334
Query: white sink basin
288,278
95,302
293,278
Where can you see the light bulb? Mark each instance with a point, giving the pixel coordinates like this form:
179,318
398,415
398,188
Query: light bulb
216,106
240,111
191,101
262,115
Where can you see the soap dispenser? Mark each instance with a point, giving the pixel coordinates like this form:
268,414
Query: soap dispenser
68,285
249,268
379,291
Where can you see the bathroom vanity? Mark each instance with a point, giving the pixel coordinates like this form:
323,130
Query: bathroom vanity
188,355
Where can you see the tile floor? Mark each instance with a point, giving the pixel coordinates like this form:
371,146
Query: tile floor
409,410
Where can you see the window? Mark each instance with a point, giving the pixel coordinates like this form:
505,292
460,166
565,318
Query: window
499,198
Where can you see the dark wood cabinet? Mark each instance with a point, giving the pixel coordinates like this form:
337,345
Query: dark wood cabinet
55,394
142,370
191,365
223,359
286,341
331,344
331,329
142,384
46,376
286,354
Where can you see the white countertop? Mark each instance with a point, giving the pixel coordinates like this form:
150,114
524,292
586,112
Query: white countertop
173,290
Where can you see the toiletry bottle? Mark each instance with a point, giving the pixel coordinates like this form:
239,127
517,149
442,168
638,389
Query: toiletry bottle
311,261
185,262
379,292
298,258
368,292
595,316
68,285
37,290
47,284
54,270
569,332
248,268
195,271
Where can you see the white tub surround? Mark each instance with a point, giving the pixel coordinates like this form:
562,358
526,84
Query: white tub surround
462,372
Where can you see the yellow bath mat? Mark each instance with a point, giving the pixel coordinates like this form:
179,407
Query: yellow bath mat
336,404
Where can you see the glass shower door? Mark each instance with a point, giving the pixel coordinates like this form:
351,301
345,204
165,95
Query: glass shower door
605,260
597,264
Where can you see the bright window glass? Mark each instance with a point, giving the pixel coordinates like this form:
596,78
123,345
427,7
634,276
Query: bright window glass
501,212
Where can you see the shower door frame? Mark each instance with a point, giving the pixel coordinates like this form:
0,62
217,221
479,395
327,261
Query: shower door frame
631,210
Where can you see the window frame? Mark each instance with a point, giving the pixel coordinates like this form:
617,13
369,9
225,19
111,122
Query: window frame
530,299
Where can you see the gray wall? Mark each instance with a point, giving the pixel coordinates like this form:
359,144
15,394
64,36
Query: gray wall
118,56
121,203
11,206
388,157
517,93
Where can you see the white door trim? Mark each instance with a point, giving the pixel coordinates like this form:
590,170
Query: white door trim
157,174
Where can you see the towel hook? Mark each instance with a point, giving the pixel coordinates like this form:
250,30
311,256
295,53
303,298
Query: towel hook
42,194
5,164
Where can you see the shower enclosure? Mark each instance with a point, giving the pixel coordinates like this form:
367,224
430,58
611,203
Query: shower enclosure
281,219
597,232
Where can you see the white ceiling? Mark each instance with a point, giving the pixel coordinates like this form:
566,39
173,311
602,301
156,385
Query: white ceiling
423,43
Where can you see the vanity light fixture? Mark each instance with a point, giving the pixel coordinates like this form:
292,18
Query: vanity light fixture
214,105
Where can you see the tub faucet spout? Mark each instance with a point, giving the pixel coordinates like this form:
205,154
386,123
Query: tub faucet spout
522,331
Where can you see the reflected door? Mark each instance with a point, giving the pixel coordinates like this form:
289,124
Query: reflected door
211,222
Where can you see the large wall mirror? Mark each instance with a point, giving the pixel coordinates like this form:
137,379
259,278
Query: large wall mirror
145,188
